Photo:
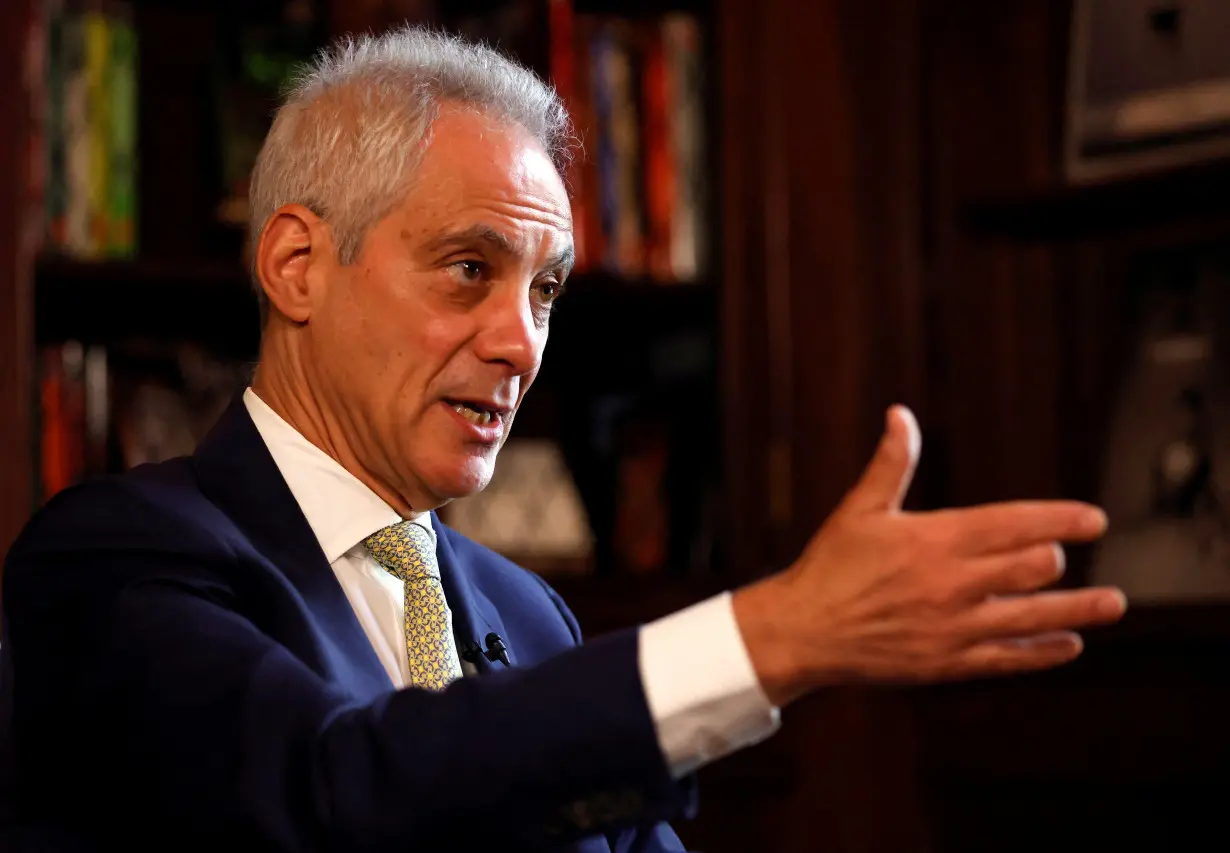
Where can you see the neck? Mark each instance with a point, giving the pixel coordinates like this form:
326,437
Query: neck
282,385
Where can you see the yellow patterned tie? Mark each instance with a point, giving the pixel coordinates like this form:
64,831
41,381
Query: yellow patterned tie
407,551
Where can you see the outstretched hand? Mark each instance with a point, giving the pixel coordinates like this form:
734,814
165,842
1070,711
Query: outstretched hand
884,595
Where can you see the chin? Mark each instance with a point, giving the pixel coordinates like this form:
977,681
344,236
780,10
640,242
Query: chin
464,478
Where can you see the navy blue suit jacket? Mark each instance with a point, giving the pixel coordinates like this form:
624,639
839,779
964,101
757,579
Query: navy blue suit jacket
180,666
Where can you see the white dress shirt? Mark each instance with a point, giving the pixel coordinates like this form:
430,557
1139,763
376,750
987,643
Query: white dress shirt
698,679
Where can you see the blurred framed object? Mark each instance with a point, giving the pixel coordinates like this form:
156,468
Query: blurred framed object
1165,467
1148,87
530,512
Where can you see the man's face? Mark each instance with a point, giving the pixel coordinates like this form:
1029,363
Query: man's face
427,344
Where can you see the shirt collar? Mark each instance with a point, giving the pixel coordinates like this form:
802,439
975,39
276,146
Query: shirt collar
339,508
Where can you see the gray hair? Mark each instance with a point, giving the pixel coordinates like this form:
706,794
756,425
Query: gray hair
347,140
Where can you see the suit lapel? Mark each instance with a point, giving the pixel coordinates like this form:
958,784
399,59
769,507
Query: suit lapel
474,616
237,473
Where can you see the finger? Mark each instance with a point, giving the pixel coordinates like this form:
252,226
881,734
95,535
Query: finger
1017,571
887,477
1006,657
1044,612
995,528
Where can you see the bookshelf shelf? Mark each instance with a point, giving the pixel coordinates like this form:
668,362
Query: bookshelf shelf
611,332
1198,195
630,380
655,303
210,303
216,274
640,8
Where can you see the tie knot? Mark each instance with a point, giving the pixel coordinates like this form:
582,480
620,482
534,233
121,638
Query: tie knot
406,549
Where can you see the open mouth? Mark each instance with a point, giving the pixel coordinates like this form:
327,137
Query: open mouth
476,413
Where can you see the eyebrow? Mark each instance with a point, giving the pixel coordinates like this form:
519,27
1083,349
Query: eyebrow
498,242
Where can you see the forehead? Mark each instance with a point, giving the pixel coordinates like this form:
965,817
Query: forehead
474,162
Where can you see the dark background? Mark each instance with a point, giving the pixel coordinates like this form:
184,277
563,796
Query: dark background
892,223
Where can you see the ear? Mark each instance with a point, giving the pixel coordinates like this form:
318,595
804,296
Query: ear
294,247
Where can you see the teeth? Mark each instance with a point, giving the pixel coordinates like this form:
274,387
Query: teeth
473,415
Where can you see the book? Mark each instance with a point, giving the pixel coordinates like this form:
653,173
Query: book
91,130
689,236
62,394
96,35
121,193
106,409
635,93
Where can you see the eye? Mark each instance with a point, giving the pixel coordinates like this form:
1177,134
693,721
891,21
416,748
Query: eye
550,290
470,270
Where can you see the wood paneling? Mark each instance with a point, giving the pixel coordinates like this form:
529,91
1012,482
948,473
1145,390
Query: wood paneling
824,306
877,161
991,99
825,327
16,304
858,277
1113,752
748,216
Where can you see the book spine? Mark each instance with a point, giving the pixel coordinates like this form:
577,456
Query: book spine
72,356
76,138
97,63
659,184
563,68
626,138
601,50
122,142
52,464
62,404
682,36
629,245
97,381
587,209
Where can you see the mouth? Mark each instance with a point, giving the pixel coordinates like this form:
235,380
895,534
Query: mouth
479,413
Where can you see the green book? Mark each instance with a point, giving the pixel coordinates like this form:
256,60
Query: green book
122,144
98,86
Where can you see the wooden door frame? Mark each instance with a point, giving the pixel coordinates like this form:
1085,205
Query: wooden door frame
16,274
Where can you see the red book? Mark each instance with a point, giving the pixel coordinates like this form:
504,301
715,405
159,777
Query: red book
53,467
560,23
659,173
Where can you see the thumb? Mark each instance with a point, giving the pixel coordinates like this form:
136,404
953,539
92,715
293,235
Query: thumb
887,477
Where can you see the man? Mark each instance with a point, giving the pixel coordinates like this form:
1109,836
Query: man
262,646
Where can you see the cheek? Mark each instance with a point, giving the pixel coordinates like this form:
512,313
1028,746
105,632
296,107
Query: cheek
442,335
360,352
390,339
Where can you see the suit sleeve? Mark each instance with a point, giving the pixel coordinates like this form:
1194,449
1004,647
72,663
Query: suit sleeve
654,837
182,717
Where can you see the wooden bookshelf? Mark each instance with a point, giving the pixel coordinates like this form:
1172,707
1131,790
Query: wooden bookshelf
1162,206
17,434
880,237
613,335
210,303
643,8
806,325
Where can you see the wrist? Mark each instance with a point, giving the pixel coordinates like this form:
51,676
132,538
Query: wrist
771,640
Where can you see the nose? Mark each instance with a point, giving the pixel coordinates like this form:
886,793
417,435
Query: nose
510,333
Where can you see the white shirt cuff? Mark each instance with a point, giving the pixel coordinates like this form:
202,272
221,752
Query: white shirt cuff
702,691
